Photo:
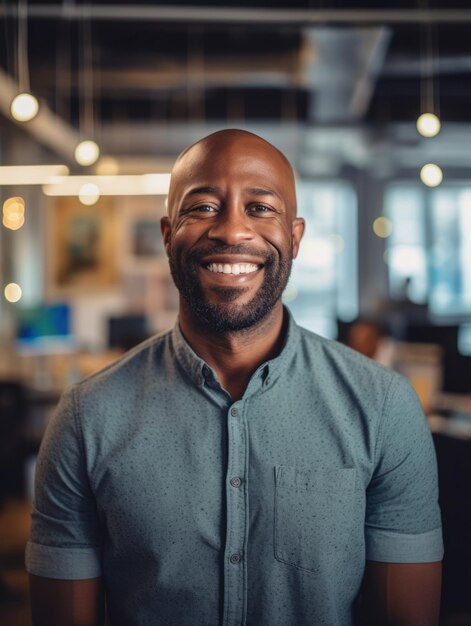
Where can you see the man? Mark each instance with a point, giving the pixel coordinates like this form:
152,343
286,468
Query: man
238,469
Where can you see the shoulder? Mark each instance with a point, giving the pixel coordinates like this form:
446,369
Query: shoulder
125,378
353,384
339,363
148,353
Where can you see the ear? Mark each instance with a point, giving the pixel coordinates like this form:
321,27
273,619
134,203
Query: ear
166,230
297,231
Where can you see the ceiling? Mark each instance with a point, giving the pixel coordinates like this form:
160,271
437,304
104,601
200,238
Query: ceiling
333,83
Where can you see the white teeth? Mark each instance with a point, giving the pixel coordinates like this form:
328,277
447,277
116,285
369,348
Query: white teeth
236,268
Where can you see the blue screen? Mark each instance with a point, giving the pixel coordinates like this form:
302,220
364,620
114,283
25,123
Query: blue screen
44,328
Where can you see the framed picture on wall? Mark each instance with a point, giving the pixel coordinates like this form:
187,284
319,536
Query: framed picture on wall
82,254
146,240
141,246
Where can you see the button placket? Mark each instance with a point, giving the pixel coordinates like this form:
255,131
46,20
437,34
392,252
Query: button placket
235,569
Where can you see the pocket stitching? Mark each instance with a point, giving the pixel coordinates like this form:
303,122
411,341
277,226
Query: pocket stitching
278,557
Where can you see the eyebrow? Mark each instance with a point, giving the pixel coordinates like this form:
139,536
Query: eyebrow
255,191
202,190
259,191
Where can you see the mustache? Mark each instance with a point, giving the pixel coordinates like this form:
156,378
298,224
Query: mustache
198,254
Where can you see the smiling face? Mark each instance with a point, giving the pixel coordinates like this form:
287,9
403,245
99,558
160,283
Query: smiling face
232,230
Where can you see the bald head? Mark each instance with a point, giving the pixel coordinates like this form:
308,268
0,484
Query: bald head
232,232
221,150
226,136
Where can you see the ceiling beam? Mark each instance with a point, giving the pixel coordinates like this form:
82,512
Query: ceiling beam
241,15
443,64
278,70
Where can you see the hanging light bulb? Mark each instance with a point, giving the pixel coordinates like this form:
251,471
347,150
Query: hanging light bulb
89,194
87,152
431,175
24,107
428,125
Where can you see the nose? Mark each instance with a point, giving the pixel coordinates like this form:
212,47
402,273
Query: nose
232,226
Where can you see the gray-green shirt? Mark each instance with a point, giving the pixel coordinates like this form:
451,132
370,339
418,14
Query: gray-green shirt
201,511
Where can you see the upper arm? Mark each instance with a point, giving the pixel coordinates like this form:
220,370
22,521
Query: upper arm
404,547
66,602
402,517
66,533
401,594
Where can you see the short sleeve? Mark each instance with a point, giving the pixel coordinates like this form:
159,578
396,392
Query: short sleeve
403,522
65,541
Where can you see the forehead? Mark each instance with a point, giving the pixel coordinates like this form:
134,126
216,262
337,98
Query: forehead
234,160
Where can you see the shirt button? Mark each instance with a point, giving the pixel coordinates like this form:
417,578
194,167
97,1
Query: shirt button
235,559
234,411
236,481
267,381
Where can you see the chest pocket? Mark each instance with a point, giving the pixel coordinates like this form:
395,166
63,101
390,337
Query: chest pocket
314,520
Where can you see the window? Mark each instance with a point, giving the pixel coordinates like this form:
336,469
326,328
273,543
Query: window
406,246
324,281
430,246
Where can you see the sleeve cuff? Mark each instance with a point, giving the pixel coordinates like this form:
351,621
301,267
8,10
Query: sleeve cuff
390,547
62,563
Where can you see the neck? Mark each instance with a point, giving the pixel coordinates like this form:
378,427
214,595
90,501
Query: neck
234,356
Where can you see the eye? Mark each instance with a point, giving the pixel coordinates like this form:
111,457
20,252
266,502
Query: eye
200,210
260,208
204,208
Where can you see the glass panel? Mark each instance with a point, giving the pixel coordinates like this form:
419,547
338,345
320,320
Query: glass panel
451,251
429,250
324,282
406,247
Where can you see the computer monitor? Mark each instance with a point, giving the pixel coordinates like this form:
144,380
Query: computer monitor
44,329
126,331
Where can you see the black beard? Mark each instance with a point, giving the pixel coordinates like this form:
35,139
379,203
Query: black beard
224,316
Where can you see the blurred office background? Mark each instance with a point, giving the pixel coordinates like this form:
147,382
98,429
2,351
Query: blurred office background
371,102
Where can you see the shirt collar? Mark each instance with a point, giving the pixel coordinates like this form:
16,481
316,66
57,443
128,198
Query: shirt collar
265,375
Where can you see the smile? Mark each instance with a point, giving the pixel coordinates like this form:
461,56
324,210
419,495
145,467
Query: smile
235,268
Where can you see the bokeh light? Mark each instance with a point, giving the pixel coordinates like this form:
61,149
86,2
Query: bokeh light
382,227
12,292
431,175
107,166
14,213
24,107
89,194
428,125
87,152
